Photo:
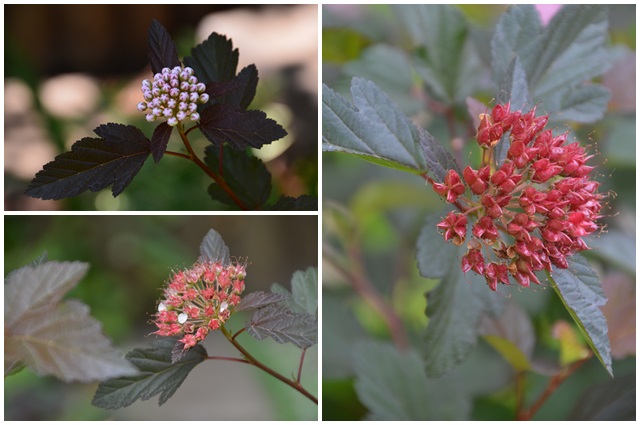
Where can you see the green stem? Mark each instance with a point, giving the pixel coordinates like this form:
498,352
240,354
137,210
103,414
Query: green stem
218,179
252,360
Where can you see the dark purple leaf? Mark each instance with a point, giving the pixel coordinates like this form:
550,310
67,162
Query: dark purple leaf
439,160
177,352
248,80
301,203
214,59
241,129
238,92
259,299
278,322
222,88
246,175
213,248
93,164
159,140
158,375
162,49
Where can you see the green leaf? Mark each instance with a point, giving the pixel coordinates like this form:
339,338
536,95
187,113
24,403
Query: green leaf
393,386
454,309
583,104
511,335
516,35
615,247
373,127
340,45
445,58
558,58
213,248
580,290
572,48
512,88
613,400
304,287
64,341
340,331
433,253
619,147
214,59
390,68
439,160
245,174
158,375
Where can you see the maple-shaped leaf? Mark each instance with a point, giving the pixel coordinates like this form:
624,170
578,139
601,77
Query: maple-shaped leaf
162,49
159,140
214,59
158,375
245,174
93,164
52,336
241,129
281,324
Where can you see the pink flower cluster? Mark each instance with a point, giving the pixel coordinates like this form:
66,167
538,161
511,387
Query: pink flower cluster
199,300
532,211
173,94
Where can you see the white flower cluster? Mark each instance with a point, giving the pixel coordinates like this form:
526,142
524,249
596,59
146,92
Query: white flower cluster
173,94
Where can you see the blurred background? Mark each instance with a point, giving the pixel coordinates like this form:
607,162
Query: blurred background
378,212
130,257
70,68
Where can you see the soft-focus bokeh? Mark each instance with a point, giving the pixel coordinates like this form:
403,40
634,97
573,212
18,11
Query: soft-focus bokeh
380,211
130,257
70,68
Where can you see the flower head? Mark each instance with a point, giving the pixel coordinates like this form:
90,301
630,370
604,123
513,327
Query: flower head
529,213
170,94
199,300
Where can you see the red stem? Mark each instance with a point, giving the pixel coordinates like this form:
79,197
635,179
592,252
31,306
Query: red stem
369,293
218,179
252,360
304,350
525,415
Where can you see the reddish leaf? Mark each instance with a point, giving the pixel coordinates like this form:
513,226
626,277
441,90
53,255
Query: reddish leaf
93,164
241,129
162,49
259,299
159,140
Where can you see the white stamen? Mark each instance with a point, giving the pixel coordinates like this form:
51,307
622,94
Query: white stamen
224,306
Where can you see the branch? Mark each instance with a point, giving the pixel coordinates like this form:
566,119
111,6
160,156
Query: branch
369,293
252,360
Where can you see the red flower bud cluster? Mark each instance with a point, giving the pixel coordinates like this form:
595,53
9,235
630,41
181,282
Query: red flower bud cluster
198,300
532,211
